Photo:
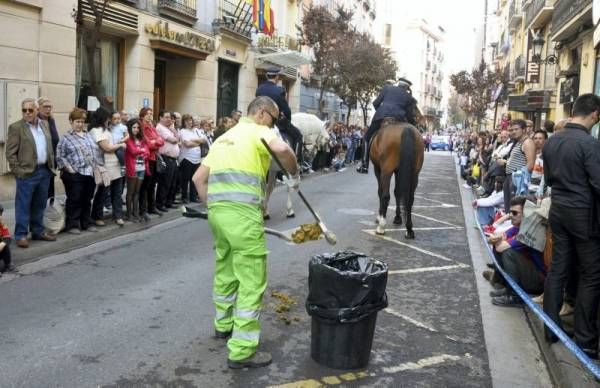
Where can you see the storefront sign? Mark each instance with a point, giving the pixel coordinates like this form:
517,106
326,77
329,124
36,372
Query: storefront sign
275,42
230,52
189,39
533,69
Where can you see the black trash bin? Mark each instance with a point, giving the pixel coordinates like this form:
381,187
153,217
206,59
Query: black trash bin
345,292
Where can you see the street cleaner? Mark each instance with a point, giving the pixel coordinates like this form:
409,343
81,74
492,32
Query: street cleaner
231,181
394,101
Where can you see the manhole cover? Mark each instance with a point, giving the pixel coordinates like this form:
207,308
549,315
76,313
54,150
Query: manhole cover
356,212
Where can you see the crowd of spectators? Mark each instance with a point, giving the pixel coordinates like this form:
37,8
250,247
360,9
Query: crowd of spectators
343,148
538,202
101,157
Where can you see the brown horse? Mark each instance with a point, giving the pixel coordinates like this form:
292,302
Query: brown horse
397,149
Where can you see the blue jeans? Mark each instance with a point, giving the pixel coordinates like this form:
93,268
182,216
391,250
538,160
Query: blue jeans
30,203
485,215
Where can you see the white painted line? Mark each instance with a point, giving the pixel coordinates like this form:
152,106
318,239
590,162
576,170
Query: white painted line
428,269
422,363
424,228
446,205
433,219
441,257
410,320
435,193
430,200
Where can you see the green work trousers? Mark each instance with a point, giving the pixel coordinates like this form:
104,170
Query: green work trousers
240,274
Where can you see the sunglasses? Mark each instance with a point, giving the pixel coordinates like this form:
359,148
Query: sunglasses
514,213
273,118
27,110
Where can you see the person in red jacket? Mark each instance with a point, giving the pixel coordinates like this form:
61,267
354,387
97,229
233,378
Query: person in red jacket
154,142
136,169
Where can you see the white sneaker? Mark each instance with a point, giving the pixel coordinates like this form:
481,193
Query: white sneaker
466,186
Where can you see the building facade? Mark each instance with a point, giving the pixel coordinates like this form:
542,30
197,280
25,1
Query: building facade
199,57
548,55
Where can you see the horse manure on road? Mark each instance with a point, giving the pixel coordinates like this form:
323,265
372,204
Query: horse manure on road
306,232
283,307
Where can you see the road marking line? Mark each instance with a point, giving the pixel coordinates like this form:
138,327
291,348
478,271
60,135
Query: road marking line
446,206
433,219
422,363
442,257
410,320
370,223
431,200
428,269
327,380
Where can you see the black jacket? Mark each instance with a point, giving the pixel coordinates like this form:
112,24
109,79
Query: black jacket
270,89
396,102
572,167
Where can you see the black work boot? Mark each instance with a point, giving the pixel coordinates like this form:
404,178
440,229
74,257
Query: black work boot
257,360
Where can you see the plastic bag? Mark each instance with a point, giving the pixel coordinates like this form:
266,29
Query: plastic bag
346,286
54,216
532,231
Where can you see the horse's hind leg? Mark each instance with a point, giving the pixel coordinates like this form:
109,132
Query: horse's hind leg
398,196
408,204
384,201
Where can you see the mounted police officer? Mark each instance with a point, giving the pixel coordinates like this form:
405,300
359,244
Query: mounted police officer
270,88
394,101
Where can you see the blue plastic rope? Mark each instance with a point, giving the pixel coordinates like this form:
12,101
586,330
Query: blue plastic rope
587,362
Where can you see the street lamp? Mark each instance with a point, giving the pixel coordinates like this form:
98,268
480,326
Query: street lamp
538,46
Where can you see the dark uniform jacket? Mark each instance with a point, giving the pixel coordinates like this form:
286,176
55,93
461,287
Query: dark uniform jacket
277,94
572,167
396,102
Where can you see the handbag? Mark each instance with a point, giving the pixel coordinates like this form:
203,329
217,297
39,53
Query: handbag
204,147
161,165
532,231
54,216
101,176
476,171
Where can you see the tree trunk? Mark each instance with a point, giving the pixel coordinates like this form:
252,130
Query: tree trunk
90,39
365,111
320,103
348,116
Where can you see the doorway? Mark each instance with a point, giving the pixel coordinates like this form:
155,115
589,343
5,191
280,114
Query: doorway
227,88
160,75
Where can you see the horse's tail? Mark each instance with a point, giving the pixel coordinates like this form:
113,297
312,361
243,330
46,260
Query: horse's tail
406,165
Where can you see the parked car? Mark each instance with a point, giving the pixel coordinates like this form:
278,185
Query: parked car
440,142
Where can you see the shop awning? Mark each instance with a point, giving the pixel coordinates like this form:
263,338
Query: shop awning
286,58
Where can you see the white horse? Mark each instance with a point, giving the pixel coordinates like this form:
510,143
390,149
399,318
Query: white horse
314,134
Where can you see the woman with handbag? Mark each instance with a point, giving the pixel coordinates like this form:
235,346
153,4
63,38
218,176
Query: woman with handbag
154,142
190,156
76,156
136,167
99,128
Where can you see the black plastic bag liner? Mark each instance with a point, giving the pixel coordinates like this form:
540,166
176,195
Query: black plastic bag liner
346,286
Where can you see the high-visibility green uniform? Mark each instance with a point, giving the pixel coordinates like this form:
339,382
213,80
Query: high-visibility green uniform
238,163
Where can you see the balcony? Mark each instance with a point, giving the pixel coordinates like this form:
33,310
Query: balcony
515,14
117,19
568,16
182,10
538,13
236,19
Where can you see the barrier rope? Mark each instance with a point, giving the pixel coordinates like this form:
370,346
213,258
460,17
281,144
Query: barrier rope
587,362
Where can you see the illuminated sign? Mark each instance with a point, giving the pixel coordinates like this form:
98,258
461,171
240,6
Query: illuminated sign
188,39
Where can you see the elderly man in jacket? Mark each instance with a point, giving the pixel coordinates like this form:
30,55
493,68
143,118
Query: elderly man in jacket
394,101
30,155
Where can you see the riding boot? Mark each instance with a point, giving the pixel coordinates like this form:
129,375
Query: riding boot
364,167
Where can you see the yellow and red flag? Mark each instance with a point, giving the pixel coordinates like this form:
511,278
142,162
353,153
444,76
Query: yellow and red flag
262,16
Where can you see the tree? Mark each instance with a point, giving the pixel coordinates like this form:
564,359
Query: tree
362,69
91,36
324,33
474,91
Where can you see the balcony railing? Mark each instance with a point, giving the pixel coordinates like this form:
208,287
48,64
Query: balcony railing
565,11
236,17
184,10
515,14
538,12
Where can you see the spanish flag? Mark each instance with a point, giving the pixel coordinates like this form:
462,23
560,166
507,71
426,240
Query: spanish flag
262,16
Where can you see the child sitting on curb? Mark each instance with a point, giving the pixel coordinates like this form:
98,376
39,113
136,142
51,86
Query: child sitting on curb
4,245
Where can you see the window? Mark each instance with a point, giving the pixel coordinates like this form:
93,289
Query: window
106,68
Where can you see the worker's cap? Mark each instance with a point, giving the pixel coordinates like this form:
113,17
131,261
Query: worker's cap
404,82
273,71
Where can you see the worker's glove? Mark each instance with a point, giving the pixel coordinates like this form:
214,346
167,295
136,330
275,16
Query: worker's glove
292,182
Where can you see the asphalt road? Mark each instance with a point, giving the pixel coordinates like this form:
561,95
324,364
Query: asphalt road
137,309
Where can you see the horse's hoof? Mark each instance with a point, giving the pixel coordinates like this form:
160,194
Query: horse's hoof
266,217
380,232
291,215
410,235
397,221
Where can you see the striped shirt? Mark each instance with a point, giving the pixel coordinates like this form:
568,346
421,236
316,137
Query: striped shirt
517,159
78,152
